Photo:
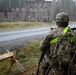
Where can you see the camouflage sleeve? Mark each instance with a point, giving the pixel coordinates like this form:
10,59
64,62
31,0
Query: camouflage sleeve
45,43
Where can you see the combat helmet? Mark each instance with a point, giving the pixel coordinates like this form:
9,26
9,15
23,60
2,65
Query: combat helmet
62,17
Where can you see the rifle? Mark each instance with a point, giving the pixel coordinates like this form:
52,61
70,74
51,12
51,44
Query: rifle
44,52
41,57
73,28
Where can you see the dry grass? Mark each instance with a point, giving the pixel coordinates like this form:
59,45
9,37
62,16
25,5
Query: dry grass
22,25
18,25
28,56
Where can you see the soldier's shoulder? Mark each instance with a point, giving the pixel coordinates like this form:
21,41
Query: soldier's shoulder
50,33
54,31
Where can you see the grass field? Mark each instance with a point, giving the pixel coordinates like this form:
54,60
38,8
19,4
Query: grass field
22,25
28,57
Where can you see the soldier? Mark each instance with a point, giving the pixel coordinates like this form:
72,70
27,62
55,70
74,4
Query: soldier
62,20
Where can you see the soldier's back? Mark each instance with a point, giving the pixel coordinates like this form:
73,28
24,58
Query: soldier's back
62,53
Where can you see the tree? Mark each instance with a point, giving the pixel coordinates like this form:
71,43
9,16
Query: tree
68,6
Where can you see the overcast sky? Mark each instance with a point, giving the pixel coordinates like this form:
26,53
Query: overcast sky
48,0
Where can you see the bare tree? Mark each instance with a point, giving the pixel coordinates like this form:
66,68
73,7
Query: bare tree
68,6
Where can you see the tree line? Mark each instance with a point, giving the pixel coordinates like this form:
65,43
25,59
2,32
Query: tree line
12,3
68,6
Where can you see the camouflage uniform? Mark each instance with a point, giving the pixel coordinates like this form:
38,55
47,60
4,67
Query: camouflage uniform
44,45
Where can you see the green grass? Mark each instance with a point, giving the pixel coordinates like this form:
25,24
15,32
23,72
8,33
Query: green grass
28,56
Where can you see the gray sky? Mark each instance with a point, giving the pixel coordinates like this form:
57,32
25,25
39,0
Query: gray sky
48,0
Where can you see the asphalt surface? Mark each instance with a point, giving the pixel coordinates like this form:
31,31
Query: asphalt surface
13,35
14,39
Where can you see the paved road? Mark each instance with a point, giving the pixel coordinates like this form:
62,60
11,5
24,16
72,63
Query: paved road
13,35
17,38
14,39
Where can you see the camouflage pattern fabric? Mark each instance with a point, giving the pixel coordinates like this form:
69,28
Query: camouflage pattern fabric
45,43
62,17
60,53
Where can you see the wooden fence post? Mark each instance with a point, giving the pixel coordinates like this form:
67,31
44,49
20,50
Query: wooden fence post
13,59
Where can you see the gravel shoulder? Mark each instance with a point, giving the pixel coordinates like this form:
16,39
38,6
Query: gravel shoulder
17,43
